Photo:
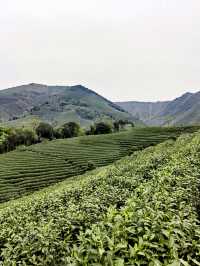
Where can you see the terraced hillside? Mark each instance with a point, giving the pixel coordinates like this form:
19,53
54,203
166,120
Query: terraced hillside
142,210
28,169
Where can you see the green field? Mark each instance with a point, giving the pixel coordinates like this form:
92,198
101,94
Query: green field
37,166
141,210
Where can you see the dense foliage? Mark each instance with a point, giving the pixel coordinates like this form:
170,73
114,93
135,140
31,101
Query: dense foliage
102,128
142,210
106,128
45,130
11,138
70,130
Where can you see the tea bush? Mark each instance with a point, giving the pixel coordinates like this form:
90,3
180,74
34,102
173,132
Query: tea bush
141,210
31,168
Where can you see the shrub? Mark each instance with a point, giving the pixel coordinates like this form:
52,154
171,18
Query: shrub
102,128
90,131
115,216
91,165
44,130
70,129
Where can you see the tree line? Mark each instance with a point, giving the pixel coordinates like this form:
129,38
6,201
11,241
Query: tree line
10,138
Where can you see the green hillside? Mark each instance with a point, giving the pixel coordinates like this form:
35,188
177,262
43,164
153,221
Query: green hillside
142,210
183,110
27,104
145,111
31,168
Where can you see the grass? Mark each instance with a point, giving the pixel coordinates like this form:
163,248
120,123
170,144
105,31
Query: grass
31,168
141,210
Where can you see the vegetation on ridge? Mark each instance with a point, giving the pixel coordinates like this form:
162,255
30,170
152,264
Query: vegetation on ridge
10,138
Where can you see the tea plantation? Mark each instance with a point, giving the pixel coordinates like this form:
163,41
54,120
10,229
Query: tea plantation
28,169
141,210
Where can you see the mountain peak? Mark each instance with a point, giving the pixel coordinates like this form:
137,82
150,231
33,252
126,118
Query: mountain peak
57,104
186,94
79,87
36,85
183,110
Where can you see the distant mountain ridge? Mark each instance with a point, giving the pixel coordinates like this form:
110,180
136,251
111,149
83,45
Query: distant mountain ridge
57,105
184,110
144,111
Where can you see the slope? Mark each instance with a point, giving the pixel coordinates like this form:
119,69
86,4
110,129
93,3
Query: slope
143,210
183,110
145,111
31,168
56,104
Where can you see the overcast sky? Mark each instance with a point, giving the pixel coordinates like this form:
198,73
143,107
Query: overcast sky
123,49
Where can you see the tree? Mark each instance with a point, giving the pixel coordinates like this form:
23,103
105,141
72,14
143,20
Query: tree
44,130
30,137
116,126
102,128
10,138
70,130
122,123
90,131
57,133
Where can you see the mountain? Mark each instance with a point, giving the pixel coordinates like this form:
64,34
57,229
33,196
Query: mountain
144,111
184,110
31,103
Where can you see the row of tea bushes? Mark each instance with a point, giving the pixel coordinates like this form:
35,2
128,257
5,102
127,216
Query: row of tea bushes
32,168
142,210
